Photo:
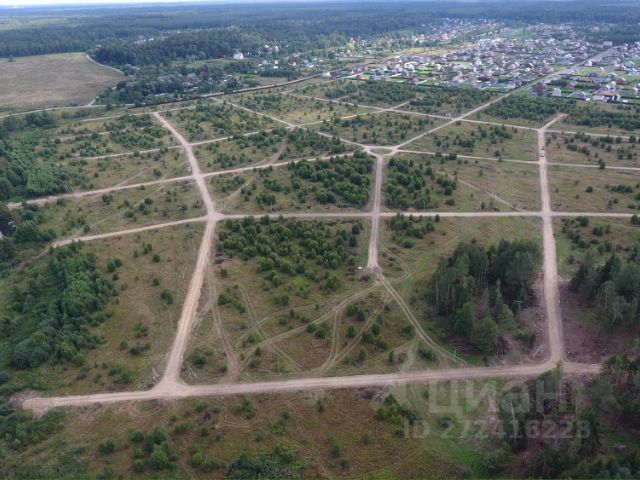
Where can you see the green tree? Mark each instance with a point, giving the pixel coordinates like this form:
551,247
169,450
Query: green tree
484,335
464,320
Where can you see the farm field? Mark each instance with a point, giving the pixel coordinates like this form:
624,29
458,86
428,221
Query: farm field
29,83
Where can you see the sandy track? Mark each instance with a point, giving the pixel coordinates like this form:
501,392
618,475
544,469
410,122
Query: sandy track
320,383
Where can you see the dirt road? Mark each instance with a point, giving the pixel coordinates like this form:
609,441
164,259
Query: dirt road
177,391
372,259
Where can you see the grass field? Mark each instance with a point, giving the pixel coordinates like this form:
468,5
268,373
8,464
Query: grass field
324,434
479,184
575,236
120,210
480,140
593,190
41,81
590,150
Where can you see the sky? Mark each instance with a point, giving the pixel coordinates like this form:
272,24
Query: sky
31,3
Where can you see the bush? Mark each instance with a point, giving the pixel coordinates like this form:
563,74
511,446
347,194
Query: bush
138,466
107,446
159,459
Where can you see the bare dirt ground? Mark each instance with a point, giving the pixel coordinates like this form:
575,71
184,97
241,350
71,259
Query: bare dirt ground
587,342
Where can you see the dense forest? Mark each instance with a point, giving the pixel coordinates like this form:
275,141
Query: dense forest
286,248
50,314
537,109
506,271
613,288
415,184
555,428
305,25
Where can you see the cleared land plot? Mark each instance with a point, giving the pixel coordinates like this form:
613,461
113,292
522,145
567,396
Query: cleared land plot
376,94
480,141
448,101
150,272
595,239
411,249
207,437
297,109
373,334
278,144
591,150
422,182
70,157
382,94
378,129
593,190
524,109
339,183
28,83
601,237
212,120
128,133
120,210
94,173
270,282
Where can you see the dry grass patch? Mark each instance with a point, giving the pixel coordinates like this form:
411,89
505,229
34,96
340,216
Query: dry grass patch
29,83
471,139
575,189
102,213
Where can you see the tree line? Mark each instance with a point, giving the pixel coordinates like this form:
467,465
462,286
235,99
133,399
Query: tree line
302,27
